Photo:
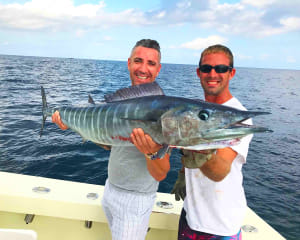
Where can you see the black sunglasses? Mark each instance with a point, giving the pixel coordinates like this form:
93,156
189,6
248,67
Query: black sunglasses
218,68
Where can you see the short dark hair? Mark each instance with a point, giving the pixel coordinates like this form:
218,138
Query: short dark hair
148,43
218,48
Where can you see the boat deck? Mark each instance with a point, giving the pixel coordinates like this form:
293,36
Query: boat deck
64,210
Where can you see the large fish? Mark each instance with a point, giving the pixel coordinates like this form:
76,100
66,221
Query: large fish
172,121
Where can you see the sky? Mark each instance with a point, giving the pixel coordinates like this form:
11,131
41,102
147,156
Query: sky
260,33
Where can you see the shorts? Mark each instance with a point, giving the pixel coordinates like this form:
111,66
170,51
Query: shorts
186,233
127,212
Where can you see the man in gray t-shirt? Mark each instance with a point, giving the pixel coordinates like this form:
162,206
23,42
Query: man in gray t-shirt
133,176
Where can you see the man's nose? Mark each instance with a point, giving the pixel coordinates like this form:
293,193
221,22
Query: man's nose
213,72
143,67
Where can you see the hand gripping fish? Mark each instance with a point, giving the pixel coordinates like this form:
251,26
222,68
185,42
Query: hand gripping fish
171,121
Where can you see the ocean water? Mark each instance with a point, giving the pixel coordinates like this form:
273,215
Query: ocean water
272,172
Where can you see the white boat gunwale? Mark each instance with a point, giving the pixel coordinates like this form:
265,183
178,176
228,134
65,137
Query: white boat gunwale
71,204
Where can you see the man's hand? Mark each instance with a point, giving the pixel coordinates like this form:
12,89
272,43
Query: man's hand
179,187
158,168
56,119
144,142
195,159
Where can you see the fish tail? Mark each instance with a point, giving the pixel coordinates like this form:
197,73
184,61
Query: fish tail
44,110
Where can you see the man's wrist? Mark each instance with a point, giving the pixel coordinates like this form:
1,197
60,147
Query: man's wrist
151,156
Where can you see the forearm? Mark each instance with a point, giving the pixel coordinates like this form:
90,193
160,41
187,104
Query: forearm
219,165
182,167
215,169
159,168
106,147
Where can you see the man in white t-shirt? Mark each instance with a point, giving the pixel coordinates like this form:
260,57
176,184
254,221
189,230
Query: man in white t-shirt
215,203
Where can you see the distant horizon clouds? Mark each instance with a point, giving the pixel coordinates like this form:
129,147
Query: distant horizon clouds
251,28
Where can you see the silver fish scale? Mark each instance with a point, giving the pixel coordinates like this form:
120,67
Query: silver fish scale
118,123
98,124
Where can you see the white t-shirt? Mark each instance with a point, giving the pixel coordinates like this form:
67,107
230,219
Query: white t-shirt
218,207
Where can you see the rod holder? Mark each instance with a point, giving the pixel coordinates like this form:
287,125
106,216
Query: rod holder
29,218
250,229
88,224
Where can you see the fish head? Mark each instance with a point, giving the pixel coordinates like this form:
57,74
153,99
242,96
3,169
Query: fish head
206,124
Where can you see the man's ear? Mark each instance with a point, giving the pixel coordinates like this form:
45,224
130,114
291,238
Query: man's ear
198,72
128,63
232,73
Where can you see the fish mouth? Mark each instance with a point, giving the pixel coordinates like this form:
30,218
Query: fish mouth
236,129
211,144
240,125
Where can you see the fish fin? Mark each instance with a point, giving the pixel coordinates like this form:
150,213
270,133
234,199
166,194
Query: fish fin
162,152
199,100
44,110
91,100
141,90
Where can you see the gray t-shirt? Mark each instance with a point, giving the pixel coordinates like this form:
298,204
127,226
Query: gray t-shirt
127,170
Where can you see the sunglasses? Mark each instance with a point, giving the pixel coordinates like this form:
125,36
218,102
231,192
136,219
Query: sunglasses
218,68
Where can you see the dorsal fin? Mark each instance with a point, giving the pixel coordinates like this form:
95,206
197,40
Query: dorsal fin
91,100
141,90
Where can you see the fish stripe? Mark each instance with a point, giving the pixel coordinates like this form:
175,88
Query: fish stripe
93,119
85,121
127,110
81,120
106,127
115,121
99,123
69,116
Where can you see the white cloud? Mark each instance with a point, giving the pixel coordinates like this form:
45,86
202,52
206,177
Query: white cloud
103,41
4,43
107,38
258,3
264,56
256,18
184,4
161,14
291,59
249,18
291,23
242,57
172,47
80,33
200,43
45,14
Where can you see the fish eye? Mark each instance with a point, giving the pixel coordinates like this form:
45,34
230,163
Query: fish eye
203,115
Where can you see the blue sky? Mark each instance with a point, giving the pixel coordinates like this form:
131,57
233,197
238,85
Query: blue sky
261,33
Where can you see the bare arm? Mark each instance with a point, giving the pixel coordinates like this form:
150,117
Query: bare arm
158,168
106,147
57,120
219,165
